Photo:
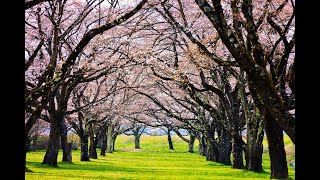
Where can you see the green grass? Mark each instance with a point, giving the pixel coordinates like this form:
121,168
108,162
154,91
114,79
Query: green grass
153,161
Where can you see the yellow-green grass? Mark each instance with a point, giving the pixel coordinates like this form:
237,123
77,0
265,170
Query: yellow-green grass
153,161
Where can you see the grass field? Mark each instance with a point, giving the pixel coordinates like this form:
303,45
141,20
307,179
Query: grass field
153,161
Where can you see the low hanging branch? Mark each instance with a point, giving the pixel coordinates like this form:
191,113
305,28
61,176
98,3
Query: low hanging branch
33,56
30,4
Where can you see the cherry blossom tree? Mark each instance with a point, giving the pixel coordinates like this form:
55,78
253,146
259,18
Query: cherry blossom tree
56,27
261,42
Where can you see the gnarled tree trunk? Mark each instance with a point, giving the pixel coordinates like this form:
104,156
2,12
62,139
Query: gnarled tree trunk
66,156
237,152
224,147
191,143
254,148
202,146
51,155
277,153
274,134
212,153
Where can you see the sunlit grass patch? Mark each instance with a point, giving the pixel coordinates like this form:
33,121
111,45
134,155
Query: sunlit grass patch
153,161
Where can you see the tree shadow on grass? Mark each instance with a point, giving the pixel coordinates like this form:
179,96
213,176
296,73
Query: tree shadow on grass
88,166
28,170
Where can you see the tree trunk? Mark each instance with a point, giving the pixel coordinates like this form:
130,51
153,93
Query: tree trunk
93,144
84,148
237,151
66,157
272,101
137,135
136,139
114,141
202,147
191,143
51,155
110,138
277,153
254,148
224,147
56,116
103,141
93,149
212,153
170,140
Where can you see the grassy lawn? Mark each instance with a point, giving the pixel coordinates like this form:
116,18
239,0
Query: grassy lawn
153,161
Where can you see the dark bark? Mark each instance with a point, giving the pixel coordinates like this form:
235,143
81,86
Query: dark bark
84,148
202,146
253,64
224,147
66,157
254,147
93,150
292,78
136,139
83,135
254,121
277,153
274,134
114,141
237,152
212,153
274,104
191,143
51,155
103,141
181,136
56,115
31,3
93,144
33,56
35,114
170,140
